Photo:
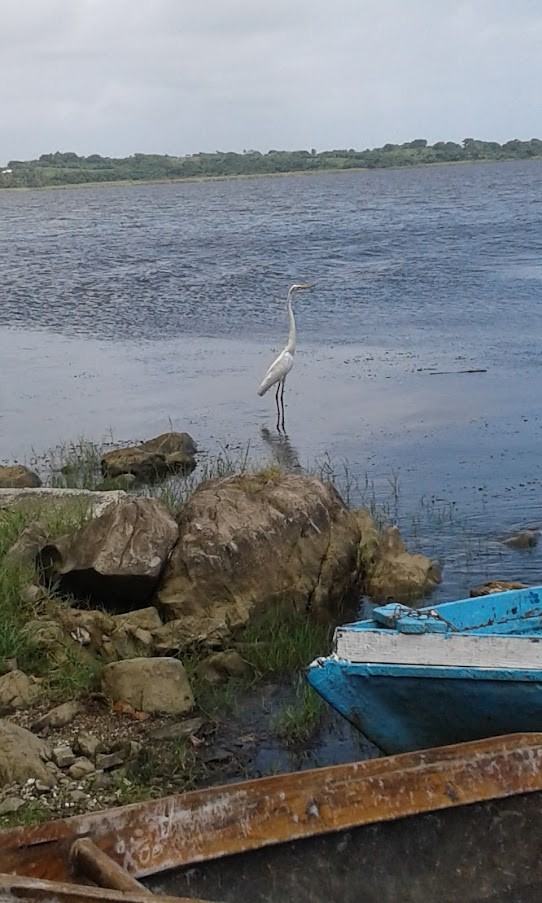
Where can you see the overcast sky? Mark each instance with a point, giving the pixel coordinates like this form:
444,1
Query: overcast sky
178,76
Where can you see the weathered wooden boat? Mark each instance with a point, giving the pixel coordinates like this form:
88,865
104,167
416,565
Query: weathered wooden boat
415,678
461,822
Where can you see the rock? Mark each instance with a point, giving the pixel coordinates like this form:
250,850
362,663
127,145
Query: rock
80,501
171,444
33,593
10,805
63,756
50,639
370,538
179,634
146,467
17,691
256,540
132,635
81,768
117,558
21,756
152,460
106,761
27,546
60,716
143,618
526,539
18,476
90,629
218,667
157,686
496,586
87,745
397,574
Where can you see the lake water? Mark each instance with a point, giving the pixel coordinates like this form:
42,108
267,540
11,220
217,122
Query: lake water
130,308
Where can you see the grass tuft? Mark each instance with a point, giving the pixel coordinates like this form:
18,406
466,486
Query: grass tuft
297,722
282,641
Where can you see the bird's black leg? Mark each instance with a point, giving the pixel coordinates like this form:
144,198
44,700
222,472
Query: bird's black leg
282,403
278,406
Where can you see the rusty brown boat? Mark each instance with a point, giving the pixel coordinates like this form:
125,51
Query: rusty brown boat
457,822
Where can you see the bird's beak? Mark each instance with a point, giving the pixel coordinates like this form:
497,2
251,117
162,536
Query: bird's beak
305,286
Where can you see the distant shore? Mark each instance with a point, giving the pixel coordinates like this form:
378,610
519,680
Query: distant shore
120,183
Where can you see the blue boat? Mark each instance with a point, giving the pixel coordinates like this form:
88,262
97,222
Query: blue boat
415,678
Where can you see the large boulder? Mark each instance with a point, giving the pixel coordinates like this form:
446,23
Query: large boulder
17,476
23,756
251,541
117,558
152,460
397,574
155,685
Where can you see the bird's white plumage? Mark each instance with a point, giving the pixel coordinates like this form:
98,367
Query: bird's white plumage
278,370
281,366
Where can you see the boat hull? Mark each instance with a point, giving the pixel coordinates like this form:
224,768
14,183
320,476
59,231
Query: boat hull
407,708
483,852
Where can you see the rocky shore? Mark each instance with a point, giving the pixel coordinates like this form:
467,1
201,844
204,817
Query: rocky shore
131,624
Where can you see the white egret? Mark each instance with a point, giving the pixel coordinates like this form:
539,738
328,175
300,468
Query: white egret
281,366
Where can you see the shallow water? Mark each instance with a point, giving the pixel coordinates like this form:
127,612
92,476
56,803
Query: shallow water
125,309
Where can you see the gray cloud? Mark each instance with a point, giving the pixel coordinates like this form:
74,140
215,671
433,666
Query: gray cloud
178,76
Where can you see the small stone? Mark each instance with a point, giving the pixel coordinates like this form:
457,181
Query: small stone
81,768
87,745
110,760
11,804
58,717
41,787
33,593
77,796
63,756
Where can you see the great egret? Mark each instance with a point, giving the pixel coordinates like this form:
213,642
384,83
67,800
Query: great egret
281,366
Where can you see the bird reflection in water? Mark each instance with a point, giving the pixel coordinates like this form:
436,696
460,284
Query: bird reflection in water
284,453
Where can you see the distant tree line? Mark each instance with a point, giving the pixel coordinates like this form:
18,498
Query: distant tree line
70,169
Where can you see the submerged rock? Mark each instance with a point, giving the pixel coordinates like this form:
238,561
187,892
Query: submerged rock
525,539
152,460
496,586
397,574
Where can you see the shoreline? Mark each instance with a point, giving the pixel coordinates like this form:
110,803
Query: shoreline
129,183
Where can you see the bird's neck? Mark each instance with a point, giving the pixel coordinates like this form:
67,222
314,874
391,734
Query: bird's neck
291,331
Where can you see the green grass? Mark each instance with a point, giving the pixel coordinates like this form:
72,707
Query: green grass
15,610
297,722
31,813
283,640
